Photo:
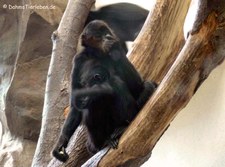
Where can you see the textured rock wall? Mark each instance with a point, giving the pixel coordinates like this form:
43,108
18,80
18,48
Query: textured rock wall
12,31
25,49
53,15
25,96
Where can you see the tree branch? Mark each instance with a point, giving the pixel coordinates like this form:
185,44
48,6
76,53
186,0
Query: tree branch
198,57
65,40
157,46
160,40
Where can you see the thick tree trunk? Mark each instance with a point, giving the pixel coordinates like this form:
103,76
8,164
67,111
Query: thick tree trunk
56,97
160,40
202,52
156,47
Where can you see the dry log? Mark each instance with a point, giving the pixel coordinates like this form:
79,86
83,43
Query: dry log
201,53
157,46
160,40
65,40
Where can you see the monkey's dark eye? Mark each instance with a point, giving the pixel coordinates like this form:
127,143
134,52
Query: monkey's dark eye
97,77
109,37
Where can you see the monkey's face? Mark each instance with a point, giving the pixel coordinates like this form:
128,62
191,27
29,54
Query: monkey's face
95,76
92,82
98,35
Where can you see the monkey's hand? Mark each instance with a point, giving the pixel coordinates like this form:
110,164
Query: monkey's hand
148,89
59,151
113,141
60,154
82,102
108,42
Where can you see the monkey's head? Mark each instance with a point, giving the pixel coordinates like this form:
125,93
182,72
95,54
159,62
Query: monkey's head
93,82
93,74
97,34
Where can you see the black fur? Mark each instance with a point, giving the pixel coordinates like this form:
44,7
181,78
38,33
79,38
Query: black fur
125,19
106,91
99,39
110,107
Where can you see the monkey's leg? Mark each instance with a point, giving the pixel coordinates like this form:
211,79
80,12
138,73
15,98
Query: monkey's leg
113,141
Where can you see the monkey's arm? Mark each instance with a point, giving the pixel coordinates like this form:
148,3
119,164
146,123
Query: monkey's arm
148,89
129,110
104,88
70,125
72,122
83,96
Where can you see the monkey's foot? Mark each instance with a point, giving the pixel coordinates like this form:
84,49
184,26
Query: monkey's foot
114,138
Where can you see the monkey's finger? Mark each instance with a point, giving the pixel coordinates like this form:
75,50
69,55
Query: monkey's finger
60,154
118,132
114,144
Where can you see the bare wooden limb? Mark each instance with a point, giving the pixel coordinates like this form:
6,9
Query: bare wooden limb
161,39
158,45
198,57
56,98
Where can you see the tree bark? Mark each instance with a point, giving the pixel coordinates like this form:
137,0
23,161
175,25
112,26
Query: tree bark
160,40
152,57
157,46
65,40
202,52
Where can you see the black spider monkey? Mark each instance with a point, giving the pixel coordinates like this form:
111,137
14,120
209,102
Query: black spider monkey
117,101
